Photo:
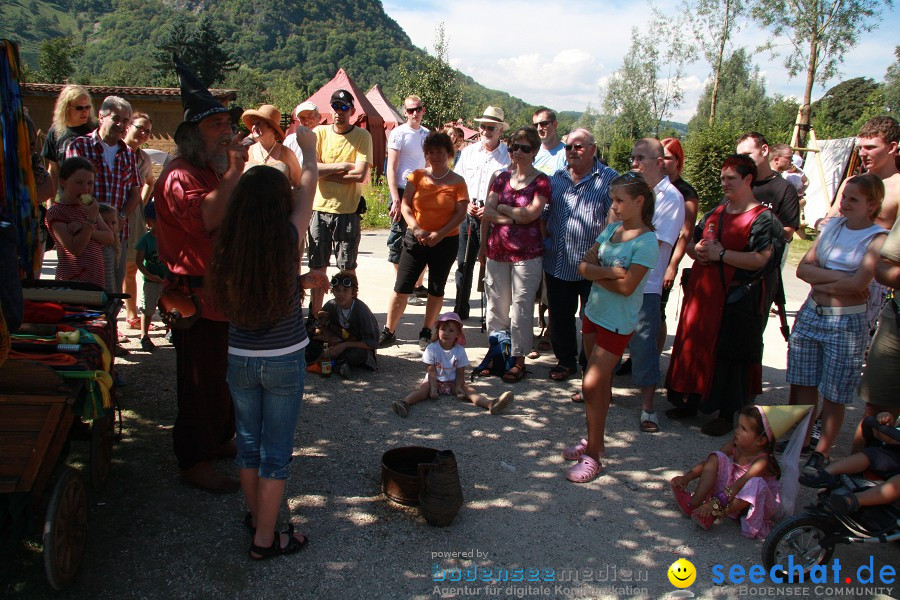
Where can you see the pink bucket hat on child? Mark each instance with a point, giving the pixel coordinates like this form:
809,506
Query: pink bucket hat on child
452,316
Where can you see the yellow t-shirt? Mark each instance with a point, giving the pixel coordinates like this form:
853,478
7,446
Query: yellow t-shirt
434,203
354,146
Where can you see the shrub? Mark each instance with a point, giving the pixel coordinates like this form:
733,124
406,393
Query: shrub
378,200
704,150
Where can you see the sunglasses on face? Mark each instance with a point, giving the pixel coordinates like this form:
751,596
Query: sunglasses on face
526,148
637,158
414,109
340,106
142,130
543,124
488,128
81,107
570,147
344,281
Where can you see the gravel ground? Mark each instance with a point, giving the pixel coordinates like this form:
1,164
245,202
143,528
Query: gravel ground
151,537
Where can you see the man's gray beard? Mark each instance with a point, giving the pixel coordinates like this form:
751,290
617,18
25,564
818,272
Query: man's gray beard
218,162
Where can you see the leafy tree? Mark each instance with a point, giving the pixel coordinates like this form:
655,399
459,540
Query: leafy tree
820,32
57,57
210,59
742,96
251,86
645,90
435,81
705,148
178,40
836,113
713,22
892,85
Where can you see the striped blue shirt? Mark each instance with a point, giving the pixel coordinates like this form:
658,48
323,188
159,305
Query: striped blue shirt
575,216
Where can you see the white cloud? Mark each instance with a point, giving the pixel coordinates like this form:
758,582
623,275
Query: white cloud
559,54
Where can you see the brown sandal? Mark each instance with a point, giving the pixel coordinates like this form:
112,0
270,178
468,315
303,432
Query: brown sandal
561,373
515,374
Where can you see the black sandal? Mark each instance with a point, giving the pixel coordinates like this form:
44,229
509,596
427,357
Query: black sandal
248,522
293,545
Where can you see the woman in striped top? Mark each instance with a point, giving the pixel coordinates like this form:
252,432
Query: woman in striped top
253,278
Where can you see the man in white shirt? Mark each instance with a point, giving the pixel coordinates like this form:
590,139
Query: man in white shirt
404,155
668,220
477,164
307,115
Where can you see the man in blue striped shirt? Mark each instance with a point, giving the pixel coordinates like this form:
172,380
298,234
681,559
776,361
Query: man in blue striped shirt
574,217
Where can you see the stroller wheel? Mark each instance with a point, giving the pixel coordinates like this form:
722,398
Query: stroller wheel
800,537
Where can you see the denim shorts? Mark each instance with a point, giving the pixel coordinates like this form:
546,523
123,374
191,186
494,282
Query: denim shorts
826,352
267,392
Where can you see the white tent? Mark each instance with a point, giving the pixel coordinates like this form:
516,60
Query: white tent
825,170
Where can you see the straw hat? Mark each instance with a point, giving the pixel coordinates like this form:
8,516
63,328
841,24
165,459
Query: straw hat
493,115
267,113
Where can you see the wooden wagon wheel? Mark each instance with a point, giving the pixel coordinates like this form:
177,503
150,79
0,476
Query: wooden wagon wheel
65,529
101,451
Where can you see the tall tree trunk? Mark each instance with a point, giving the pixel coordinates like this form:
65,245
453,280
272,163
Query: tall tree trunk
803,117
722,40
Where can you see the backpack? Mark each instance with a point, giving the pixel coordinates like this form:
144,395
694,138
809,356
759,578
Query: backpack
499,358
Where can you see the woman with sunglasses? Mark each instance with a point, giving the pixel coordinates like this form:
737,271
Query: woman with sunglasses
73,116
512,244
137,135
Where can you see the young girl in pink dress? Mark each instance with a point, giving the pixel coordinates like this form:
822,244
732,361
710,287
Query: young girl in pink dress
740,480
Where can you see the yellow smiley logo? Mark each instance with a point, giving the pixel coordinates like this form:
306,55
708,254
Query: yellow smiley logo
682,573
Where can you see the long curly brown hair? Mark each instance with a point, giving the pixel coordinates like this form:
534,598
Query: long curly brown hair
253,274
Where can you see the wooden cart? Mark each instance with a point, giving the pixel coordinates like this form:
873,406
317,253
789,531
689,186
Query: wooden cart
36,415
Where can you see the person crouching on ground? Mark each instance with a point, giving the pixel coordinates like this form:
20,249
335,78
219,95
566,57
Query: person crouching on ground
348,326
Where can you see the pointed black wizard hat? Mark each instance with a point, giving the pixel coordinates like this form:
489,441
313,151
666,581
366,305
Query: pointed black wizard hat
195,97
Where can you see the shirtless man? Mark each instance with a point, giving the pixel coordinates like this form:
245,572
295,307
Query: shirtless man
877,142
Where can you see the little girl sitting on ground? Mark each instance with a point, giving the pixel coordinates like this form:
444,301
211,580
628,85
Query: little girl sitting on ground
446,374
741,479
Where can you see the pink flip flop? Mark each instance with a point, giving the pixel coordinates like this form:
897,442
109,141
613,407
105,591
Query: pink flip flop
585,470
575,452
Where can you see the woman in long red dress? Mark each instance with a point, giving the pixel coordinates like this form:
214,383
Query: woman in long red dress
717,355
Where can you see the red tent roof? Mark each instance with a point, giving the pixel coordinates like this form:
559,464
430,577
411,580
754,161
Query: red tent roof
388,112
366,116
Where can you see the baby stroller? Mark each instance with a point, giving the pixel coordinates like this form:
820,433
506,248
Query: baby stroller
811,536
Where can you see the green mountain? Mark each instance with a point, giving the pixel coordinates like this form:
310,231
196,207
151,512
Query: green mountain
283,49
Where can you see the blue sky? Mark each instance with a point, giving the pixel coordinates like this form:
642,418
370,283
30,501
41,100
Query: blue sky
565,51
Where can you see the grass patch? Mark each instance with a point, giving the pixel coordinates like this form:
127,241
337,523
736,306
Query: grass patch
798,248
378,200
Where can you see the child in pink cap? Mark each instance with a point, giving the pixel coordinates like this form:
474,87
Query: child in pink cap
446,373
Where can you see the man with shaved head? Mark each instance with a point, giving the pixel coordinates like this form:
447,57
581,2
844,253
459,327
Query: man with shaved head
668,221
572,220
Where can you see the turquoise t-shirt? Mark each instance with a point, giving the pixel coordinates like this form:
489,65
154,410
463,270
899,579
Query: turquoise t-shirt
610,310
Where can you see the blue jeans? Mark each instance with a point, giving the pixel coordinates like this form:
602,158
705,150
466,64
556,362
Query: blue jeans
267,392
642,347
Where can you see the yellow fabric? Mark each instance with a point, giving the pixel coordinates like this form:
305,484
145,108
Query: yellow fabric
354,147
782,418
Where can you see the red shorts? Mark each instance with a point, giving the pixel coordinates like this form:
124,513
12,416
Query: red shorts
606,339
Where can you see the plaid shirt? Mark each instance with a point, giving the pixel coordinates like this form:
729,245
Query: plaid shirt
110,186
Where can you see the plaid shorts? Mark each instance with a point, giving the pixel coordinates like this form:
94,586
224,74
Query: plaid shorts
827,352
